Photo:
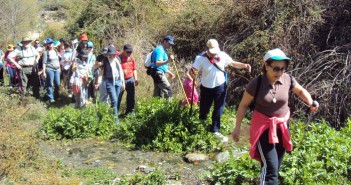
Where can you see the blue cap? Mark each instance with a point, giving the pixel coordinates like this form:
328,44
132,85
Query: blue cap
90,44
49,41
169,39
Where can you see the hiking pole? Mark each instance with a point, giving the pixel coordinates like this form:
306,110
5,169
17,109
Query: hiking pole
309,119
181,84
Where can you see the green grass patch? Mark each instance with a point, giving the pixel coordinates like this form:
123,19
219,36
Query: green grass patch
96,175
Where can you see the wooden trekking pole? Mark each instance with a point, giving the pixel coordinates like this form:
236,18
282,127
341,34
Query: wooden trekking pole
180,82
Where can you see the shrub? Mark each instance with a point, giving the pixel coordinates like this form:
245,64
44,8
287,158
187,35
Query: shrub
96,175
70,123
320,156
153,178
163,125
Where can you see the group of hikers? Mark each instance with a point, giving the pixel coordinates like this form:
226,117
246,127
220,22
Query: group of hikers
113,72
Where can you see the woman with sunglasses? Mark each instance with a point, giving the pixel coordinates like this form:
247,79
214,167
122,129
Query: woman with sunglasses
269,134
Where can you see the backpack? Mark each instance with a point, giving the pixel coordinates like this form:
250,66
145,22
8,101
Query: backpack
147,63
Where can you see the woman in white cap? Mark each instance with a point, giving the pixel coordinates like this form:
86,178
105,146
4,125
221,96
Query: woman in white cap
269,94
214,82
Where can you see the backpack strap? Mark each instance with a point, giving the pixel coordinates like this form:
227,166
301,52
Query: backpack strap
258,85
225,73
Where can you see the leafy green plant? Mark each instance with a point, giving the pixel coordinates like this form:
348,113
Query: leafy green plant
320,156
163,125
70,123
96,175
153,178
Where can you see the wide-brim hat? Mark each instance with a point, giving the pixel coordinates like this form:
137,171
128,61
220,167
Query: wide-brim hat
26,39
10,47
213,46
275,54
111,51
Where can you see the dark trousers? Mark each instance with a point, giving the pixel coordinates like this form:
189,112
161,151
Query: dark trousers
130,88
1,75
216,95
271,156
28,78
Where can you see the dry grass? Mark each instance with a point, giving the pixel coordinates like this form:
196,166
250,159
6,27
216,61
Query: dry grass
21,160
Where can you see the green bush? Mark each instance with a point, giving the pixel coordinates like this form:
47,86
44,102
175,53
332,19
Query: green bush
153,178
70,123
321,155
96,175
163,125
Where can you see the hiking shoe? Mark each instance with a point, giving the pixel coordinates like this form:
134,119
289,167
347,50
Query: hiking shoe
52,101
70,95
222,137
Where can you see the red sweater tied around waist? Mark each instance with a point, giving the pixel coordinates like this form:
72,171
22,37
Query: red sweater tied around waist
260,123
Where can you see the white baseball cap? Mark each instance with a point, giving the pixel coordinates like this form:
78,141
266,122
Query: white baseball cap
213,46
275,54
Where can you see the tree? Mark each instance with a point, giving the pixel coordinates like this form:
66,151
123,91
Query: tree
17,19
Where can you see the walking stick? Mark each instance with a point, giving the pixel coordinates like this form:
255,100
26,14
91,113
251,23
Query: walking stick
181,84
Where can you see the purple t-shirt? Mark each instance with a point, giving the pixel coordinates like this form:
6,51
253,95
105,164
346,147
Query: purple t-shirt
267,92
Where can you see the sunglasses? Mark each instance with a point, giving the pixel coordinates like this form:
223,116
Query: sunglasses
129,52
277,69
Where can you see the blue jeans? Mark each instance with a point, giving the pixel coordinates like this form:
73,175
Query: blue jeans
103,92
130,88
216,95
52,79
12,74
113,90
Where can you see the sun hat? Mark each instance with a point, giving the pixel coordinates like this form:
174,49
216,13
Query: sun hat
111,51
84,37
128,48
213,46
26,39
48,41
169,39
90,44
10,47
275,54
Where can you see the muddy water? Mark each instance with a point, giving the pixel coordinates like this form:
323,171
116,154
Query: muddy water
90,153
